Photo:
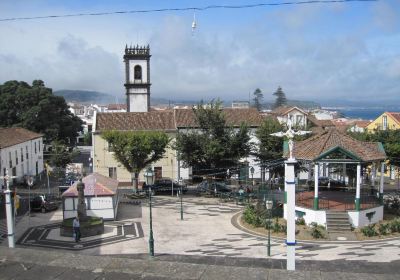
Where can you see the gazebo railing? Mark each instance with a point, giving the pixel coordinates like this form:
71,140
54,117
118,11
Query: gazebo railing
308,202
366,201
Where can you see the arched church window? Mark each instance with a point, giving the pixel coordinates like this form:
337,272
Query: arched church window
138,72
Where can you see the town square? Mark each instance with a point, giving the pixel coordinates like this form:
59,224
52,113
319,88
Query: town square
199,142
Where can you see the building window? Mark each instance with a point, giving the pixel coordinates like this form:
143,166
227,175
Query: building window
138,72
299,120
37,168
39,146
16,157
158,172
35,148
384,123
10,159
112,172
27,154
22,155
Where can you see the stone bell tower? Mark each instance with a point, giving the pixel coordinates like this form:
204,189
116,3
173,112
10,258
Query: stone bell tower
137,72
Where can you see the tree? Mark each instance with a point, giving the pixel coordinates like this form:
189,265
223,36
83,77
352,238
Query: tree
258,96
280,98
60,155
37,109
270,147
213,147
135,150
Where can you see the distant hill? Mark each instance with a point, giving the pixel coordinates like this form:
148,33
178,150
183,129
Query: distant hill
91,97
297,103
85,96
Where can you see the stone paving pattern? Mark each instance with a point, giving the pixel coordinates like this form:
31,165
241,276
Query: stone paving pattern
206,238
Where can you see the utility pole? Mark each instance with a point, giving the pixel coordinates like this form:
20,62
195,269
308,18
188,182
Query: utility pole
10,220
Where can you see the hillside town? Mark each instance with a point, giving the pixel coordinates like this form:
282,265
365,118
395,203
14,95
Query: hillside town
239,188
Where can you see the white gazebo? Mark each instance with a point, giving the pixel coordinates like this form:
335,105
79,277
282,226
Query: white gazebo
337,156
101,197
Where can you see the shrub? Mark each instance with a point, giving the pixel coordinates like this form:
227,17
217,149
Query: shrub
384,229
317,231
300,221
395,225
369,230
249,214
277,227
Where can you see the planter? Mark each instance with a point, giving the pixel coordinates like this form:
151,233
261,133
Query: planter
92,226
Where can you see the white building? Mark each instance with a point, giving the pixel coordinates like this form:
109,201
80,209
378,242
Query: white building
295,114
101,197
21,152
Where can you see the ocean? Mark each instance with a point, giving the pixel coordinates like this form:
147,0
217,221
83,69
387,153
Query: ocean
365,113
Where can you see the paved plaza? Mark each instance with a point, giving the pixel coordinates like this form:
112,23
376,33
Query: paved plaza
210,233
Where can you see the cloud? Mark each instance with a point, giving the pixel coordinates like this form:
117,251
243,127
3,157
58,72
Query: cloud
293,48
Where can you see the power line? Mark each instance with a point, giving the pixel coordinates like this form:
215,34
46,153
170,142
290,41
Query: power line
246,6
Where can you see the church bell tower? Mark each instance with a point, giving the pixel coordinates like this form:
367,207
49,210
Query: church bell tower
137,72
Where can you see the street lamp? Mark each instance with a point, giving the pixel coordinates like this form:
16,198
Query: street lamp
149,181
30,184
268,205
181,193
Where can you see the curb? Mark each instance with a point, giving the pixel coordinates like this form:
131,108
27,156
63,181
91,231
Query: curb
235,221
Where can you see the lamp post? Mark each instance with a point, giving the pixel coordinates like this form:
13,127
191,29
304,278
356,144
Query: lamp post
149,181
30,184
268,205
181,193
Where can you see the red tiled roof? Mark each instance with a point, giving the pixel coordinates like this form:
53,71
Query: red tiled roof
313,147
116,106
283,110
171,119
362,123
95,185
153,120
395,116
11,136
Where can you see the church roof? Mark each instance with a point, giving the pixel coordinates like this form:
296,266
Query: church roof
95,185
153,120
171,120
330,140
11,136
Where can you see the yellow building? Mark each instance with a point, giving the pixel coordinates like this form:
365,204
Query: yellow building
386,121
169,121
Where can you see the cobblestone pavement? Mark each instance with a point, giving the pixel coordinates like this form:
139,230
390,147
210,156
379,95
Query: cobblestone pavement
35,264
208,230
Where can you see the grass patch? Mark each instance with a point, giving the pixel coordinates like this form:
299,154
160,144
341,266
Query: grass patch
92,221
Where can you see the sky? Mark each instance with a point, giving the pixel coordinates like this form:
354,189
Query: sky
341,53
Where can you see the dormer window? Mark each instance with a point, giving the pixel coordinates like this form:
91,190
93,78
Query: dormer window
138,73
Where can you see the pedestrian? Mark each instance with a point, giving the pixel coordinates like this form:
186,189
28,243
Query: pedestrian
77,229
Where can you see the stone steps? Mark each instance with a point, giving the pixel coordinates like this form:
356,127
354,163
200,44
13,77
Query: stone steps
337,221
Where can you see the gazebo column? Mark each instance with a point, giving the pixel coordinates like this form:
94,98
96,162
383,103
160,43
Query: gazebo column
316,176
344,173
358,187
373,174
381,183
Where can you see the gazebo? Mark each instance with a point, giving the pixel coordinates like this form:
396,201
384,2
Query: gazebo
343,163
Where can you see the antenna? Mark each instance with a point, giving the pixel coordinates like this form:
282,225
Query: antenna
194,24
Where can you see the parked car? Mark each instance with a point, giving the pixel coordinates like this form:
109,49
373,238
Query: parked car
212,188
44,203
164,185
